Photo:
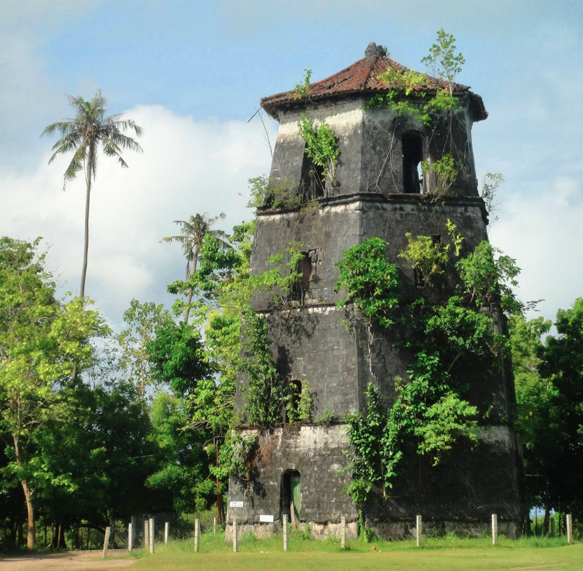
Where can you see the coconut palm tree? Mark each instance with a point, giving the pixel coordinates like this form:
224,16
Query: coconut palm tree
192,233
83,135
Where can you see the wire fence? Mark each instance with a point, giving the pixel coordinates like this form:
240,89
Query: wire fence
169,526
159,528
397,518
387,518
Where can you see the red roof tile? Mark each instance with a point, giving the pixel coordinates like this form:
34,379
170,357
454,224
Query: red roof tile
362,77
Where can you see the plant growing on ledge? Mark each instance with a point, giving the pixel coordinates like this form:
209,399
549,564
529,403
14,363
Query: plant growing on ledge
444,64
490,185
272,194
302,90
299,402
442,59
321,145
371,281
407,83
444,170
428,257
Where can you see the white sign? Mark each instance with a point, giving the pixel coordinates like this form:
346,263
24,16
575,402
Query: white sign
266,518
236,504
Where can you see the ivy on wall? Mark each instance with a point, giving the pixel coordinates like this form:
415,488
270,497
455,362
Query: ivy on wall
370,280
430,413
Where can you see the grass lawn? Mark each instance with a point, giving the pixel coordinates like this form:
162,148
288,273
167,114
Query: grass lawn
447,554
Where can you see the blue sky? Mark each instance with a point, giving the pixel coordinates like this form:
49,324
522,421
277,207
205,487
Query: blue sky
191,73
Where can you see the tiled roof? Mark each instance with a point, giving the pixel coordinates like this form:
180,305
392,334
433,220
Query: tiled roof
362,77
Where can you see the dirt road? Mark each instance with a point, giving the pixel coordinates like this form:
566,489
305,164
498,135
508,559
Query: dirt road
70,561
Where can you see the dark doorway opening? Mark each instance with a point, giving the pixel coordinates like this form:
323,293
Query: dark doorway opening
291,495
412,146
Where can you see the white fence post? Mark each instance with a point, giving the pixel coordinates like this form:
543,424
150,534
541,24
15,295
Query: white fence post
166,530
235,542
106,542
343,532
131,535
146,533
419,529
215,524
152,535
494,529
569,521
285,532
196,534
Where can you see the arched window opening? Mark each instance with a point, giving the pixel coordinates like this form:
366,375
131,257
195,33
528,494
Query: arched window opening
291,496
302,284
412,146
313,180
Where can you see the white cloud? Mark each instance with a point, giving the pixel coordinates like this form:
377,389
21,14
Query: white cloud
543,231
187,167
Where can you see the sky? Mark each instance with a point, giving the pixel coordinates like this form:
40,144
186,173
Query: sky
191,74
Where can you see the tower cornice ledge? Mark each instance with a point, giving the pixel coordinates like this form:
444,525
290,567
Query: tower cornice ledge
394,199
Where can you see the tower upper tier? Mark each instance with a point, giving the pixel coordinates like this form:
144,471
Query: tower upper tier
382,151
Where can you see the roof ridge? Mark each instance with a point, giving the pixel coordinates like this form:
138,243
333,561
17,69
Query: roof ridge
373,63
361,77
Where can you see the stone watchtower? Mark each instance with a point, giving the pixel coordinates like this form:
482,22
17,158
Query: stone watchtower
377,190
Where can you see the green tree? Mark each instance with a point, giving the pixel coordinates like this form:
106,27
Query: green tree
443,61
537,416
561,368
183,466
83,135
143,320
191,237
42,340
98,455
178,359
222,288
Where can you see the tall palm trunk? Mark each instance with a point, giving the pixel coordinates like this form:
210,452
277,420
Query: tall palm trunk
188,274
88,174
31,530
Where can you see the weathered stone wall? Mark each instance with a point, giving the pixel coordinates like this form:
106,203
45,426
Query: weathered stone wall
317,453
311,342
370,145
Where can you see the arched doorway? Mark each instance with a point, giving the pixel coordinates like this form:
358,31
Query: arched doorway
291,495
